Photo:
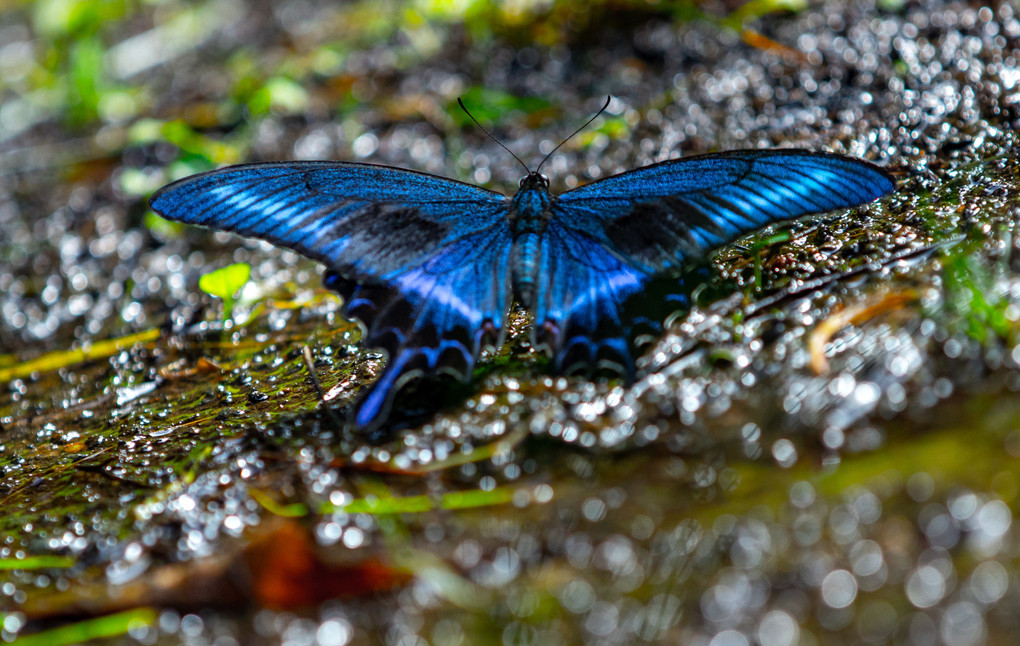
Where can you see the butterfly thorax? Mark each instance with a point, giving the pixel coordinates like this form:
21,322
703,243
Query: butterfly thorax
529,216
530,210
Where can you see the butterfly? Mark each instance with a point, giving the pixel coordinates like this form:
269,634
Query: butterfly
429,266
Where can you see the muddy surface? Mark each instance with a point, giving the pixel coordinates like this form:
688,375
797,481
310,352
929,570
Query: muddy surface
826,449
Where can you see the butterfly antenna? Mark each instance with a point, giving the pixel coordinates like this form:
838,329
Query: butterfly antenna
492,136
586,124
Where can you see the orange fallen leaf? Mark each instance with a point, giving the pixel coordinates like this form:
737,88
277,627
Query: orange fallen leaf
178,370
763,42
287,572
828,328
280,567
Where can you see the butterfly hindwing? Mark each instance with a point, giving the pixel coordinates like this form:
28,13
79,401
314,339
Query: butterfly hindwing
433,318
420,260
578,313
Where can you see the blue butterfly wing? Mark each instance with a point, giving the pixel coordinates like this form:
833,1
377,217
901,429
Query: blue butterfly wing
366,221
579,312
608,239
435,317
420,260
662,216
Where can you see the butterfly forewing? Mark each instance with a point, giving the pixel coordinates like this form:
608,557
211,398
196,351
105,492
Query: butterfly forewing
661,216
365,220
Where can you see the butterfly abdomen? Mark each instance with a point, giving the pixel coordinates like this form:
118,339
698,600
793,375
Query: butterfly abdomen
524,259
529,217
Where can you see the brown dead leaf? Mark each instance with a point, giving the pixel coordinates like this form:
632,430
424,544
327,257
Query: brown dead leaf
279,567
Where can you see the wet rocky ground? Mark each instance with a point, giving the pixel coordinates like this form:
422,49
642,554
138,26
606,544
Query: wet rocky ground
824,450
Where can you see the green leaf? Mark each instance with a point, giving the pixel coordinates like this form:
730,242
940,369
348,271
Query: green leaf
37,562
63,358
204,152
386,505
758,8
60,17
136,182
91,629
225,283
281,95
162,228
489,106
88,79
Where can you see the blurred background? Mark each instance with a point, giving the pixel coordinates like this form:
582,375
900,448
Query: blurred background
825,450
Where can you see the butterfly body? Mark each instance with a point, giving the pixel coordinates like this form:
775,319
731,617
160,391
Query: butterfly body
528,218
429,266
